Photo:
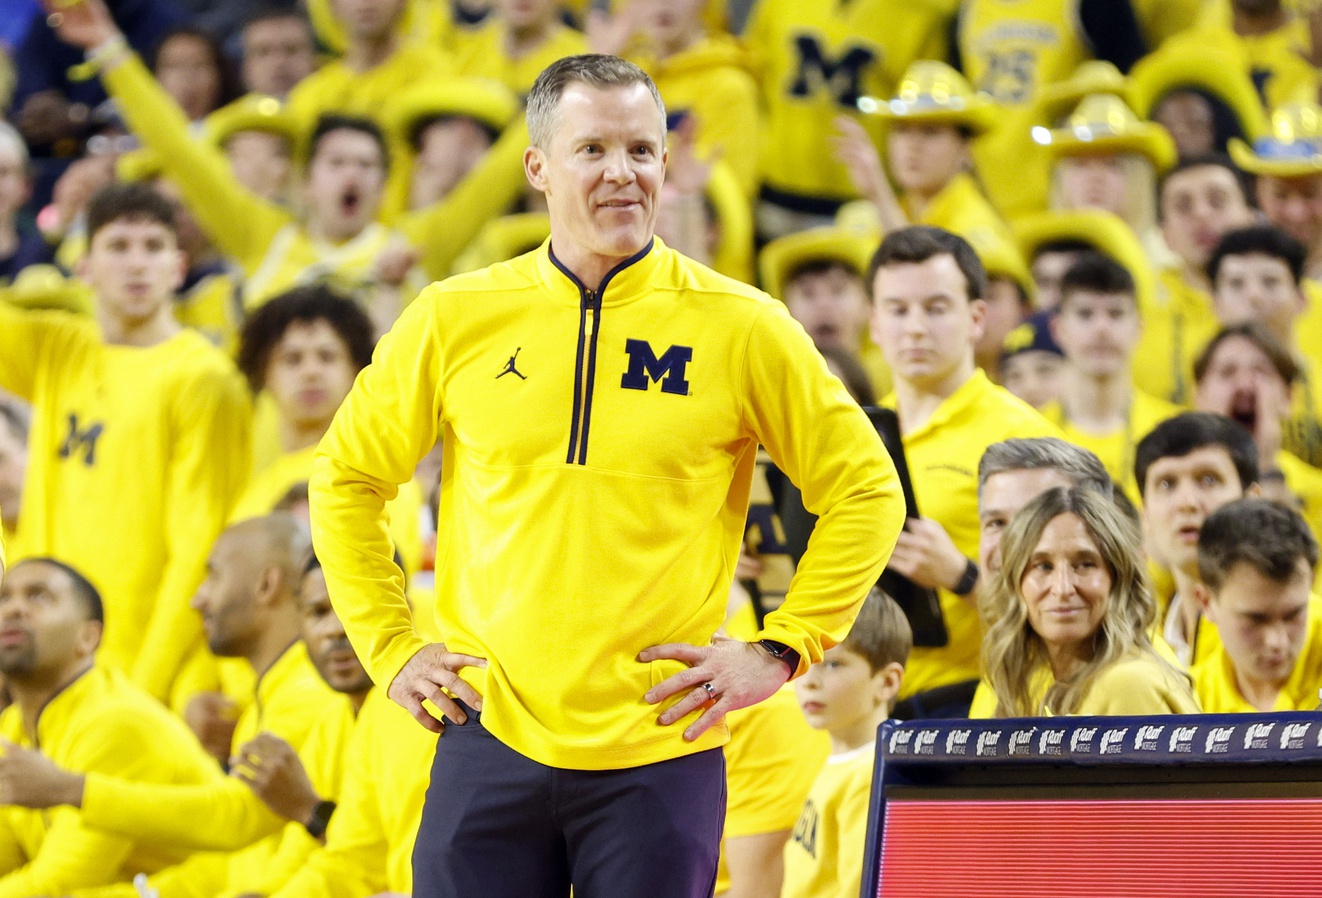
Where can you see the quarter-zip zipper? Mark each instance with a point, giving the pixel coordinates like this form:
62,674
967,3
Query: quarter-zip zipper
585,360
584,371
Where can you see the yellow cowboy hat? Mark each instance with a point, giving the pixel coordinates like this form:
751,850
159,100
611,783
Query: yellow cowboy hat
251,112
783,256
46,287
931,92
1209,69
1096,76
142,164
1103,231
1292,149
1001,258
1103,124
487,102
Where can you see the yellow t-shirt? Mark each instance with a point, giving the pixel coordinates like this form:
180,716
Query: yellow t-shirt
1177,323
1116,449
1303,430
482,54
292,469
1276,61
1011,49
1215,680
1139,683
1304,482
713,81
824,856
135,455
961,208
210,305
816,60
337,88
943,464
771,761
100,724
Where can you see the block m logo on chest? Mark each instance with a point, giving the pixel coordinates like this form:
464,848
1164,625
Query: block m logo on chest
645,368
81,440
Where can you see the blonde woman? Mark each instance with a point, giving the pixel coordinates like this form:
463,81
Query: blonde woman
1068,617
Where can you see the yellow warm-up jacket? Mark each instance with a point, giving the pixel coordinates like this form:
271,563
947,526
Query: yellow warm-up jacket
599,449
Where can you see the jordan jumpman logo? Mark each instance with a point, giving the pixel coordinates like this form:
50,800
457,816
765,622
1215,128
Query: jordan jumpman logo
510,368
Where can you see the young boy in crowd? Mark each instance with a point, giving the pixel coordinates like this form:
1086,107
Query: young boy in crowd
1256,559
1097,326
848,694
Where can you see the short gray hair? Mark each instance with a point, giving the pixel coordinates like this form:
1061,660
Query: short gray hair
1083,468
593,69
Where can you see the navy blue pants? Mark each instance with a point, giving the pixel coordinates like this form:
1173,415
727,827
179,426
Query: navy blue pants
497,824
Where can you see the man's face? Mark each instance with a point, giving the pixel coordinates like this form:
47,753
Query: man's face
277,54
13,467
344,184
1294,205
134,265
524,14
447,151
669,23
1097,331
924,321
1190,120
1258,288
1002,496
1048,269
187,70
310,373
1093,182
261,162
1263,623
324,635
1241,382
369,20
227,597
1005,311
1198,206
1178,495
602,171
923,158
43,626
832,306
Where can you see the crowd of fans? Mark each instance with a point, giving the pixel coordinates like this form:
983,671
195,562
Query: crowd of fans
1075,246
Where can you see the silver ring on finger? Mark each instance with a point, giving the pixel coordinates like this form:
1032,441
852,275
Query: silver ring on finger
711,691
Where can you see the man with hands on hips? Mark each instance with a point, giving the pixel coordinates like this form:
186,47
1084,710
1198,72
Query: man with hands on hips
600,402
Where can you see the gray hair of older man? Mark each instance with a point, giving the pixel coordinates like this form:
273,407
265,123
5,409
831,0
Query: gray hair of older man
1083,468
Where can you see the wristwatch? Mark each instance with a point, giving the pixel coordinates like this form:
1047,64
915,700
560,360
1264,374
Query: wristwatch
319,819
967,580
781,652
